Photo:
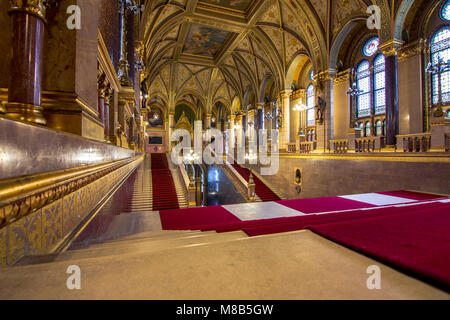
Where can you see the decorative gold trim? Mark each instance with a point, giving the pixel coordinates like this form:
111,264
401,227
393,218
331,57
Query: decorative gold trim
20,197
411,50
391,47
36,8
386,157
342,77
25,112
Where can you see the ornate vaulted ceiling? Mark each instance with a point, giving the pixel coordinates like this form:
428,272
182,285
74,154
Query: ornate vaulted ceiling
217,50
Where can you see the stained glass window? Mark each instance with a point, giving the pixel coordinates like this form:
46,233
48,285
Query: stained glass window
440,51
371,47
363,102
445,12
379,129
311,76
368,133
310,119
379,84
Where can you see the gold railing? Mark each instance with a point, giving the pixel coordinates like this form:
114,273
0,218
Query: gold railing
339,146
447,142
369,144
292,147
420,142
307,146
22,196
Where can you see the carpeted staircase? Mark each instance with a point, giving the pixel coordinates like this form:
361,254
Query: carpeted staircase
164,191
261,190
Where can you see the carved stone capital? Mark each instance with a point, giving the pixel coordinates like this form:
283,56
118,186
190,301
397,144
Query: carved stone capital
37,8
391,47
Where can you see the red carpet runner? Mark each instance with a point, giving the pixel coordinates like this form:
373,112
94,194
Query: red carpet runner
415,239
261,190
164,194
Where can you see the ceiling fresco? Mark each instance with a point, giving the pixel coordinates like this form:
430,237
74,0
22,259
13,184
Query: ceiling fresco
239,5
215,49
204,41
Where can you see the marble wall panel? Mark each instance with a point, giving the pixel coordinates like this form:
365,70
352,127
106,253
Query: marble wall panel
52,225
26,149
3,246
5,44
24,237
42,231
59,51
324,177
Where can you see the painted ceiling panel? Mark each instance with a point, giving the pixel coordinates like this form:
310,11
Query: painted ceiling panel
204,41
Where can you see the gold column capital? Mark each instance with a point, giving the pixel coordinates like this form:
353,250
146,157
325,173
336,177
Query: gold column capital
342,76
391,47
37,8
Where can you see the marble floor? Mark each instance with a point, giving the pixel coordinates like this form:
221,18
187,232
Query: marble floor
297,265
220,188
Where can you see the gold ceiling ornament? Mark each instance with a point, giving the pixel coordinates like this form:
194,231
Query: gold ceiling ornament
391,47
37,8
411,50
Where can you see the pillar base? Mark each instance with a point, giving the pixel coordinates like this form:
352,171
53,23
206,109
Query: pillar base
25,112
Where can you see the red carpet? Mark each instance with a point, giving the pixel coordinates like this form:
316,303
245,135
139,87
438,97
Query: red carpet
197,218
164,193
318,205
412,195
261,190
417,239
304,222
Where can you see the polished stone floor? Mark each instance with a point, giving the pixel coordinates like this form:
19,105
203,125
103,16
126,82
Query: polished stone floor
221,190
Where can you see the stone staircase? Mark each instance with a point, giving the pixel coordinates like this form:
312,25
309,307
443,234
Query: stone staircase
145,243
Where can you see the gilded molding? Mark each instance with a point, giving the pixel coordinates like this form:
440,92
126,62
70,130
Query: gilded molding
23,196
391,47
37,8
322,76
341,77
411,50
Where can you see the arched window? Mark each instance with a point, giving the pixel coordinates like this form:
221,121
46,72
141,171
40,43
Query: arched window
371,46
311,75
379,84
379,129
445,12
310,119
363,104
440,52
367,133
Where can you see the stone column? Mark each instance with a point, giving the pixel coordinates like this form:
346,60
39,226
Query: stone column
102,86
231,136
389,49
24,94
108,98
342,114
171,126
324,99
208,121
125,8
284,106
131,144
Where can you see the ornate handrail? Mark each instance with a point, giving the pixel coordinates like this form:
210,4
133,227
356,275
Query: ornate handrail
447,142
292,147
307,146
369,144
420,142
22,196
339,145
